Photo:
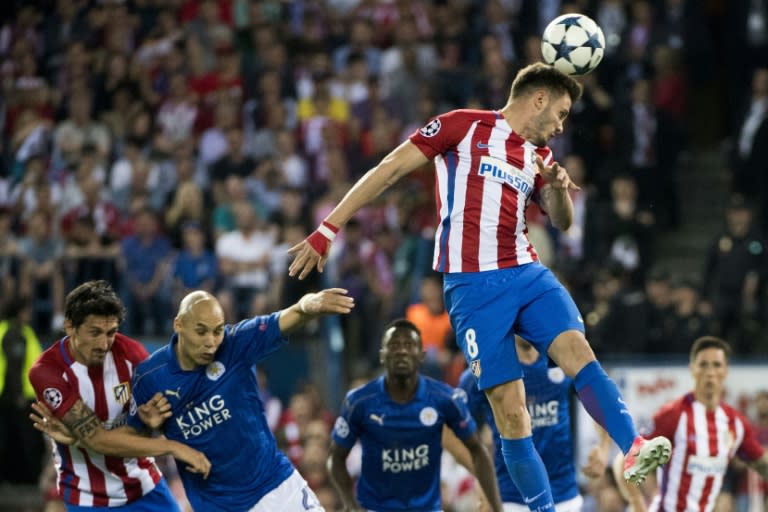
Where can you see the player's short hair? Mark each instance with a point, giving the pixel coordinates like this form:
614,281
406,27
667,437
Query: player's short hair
92,298
401,323
706,342
539,75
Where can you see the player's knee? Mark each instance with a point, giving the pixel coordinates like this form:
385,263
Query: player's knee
510,411
571,352
516,422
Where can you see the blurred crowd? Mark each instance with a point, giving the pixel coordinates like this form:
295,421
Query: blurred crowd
171,145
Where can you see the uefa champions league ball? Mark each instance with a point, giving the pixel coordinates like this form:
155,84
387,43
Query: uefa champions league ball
573,44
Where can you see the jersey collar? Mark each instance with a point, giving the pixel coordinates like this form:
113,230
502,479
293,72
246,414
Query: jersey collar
421,388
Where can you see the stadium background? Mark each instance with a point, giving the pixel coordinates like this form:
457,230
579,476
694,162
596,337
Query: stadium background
142,139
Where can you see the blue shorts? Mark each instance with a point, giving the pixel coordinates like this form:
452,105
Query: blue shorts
488,308
159,500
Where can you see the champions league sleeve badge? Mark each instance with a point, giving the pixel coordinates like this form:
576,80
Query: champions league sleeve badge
431,129
341,427
52,397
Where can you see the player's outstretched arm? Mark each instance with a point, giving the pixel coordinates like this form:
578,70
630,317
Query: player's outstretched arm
312,252
85,427
484,470
340,477
312,305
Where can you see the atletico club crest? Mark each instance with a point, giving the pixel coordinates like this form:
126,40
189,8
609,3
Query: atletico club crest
122,393
475,367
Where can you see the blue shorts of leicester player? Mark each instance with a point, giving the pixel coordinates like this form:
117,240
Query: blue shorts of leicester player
488,308
159,499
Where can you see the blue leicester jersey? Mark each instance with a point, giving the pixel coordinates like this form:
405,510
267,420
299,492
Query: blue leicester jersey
217,410
401,442
548,392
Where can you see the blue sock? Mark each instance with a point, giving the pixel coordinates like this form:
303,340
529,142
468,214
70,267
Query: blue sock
527,471
602,400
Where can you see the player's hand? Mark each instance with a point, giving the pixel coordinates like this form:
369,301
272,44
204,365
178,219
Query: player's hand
555,175
312,252
154,413
596,463
332,300
45,422
196,461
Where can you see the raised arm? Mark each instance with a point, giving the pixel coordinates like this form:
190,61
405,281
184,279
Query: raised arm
312,305
312,252
340,477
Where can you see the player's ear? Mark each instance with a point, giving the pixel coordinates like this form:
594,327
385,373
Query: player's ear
540,98
176,325
69,328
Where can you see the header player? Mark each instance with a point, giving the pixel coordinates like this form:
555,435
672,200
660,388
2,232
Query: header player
489,165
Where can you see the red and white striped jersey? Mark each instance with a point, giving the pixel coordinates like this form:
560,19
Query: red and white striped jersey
486,175
703,443
87,478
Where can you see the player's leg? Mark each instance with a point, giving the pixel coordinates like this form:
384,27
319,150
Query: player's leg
293,495
552,323
482,308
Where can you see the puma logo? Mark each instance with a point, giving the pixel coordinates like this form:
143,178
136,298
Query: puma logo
378,419
176,393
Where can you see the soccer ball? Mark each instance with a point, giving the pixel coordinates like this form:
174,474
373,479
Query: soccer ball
573,44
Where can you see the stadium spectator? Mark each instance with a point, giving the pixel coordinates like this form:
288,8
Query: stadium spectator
73,381
195,267
145,262
89,256
245,257
397,415
733,275
706,433
80,129
248,472
10,261
21,446
431,318
187,204
622,230
749,146
41,274
691,318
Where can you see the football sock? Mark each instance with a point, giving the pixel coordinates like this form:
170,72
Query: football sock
602,400
527,471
